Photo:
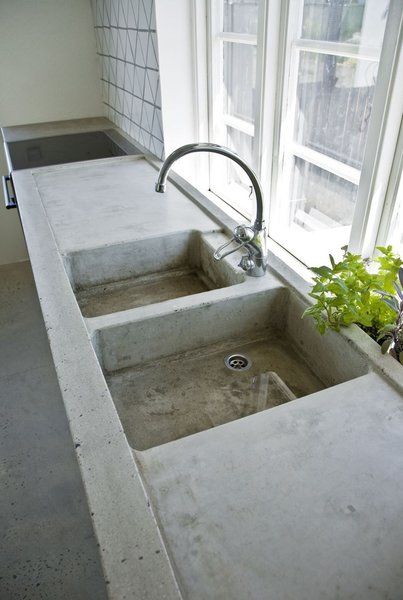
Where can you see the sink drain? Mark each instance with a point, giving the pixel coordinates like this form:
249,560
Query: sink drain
237,362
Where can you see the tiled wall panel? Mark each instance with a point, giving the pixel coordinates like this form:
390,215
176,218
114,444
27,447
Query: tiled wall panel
127,48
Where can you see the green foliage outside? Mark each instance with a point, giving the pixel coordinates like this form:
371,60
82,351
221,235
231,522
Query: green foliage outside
347,292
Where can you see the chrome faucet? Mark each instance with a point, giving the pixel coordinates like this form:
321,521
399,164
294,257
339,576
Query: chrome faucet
251,238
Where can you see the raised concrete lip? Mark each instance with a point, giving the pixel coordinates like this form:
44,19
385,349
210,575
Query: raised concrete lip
104,455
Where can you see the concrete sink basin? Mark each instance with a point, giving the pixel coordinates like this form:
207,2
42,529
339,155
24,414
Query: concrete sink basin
121,277
169,374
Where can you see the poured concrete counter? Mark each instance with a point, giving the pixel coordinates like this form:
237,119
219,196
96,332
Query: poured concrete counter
302,501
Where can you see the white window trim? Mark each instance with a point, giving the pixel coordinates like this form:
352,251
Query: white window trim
375,204
382,138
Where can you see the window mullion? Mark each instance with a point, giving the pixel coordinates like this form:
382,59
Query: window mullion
392,195
239,124
337,49
381,139
325,162
238,38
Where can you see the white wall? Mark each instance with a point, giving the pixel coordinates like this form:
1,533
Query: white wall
48,71
182,86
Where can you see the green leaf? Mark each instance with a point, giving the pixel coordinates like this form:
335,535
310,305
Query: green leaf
392,303
386,345
321,327
322,271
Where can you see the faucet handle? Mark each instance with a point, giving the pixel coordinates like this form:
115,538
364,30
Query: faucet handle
247,263
219,255
243,233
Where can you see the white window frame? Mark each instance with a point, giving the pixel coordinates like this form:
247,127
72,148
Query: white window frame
219,121
382,158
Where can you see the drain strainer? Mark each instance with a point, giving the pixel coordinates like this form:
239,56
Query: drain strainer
237,362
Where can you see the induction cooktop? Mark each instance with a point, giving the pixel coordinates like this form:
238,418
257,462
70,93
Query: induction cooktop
56,150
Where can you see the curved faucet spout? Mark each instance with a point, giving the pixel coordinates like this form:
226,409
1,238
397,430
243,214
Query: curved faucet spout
217,149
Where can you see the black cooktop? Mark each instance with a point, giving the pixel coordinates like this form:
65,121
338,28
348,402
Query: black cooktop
56,150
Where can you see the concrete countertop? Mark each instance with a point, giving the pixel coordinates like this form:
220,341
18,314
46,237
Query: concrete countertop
303,501
17,133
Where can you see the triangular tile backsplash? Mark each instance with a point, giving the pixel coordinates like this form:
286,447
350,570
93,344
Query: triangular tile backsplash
127,48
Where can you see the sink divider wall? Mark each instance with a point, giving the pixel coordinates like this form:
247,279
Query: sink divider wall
90,267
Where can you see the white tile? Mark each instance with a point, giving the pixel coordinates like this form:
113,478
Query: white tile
119,100
114,12
129,77
134,131
112,70
104,38
139,75
128,52
107,13
141,137
111,95
152,58
125,124
123,12
127,107
104,62
120,73
158,148
147,139
118,119
105,91
157,124
141,54
153,24
136,110
132,42
147,116
150,87
144,14
113,42
158,94
132,15
121,47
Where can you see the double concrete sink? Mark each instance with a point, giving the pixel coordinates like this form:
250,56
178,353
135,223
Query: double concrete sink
187,343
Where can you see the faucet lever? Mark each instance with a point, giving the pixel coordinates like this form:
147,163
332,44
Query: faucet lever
218,253
242,235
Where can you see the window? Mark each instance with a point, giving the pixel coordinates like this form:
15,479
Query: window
332,58
234,27
324,168
396,229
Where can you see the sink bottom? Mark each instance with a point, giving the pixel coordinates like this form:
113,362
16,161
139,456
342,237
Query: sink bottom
188,393
139,291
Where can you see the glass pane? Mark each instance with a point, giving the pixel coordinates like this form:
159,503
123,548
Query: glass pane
360,22
319,199
316,219
240,16
243,145
239,80
334,101
229,181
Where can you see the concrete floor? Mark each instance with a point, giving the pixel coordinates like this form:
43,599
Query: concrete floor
48,549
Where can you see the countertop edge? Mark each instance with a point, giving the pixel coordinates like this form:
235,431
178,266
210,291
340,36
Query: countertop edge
121,512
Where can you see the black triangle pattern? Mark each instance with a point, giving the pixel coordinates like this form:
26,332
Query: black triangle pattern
126,38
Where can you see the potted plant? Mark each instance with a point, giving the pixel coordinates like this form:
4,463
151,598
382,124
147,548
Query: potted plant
391,335
349,292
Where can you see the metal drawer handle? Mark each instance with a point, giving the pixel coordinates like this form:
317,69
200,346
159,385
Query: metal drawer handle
10,199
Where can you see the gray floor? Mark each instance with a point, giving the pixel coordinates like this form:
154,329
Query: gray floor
47,549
